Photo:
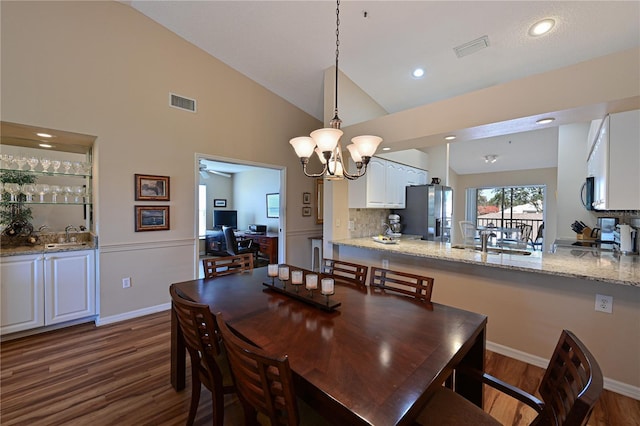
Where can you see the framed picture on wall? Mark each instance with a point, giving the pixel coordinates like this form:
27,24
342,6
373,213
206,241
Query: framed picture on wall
151,218
306,211
151,188
219,202
273,205
306,198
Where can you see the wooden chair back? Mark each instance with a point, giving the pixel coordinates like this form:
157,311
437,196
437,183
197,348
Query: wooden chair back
218,266
415,286
202,340
347,273
264,382
572,383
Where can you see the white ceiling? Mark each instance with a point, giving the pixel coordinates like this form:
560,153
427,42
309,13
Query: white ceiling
287,45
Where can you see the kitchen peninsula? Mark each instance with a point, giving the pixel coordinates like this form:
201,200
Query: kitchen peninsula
529,299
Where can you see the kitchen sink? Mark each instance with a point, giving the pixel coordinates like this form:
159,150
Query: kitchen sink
494,250
54,246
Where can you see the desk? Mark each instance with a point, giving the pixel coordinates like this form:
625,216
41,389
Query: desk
375,361
268,243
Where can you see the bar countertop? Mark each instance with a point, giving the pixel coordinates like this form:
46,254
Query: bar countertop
596,266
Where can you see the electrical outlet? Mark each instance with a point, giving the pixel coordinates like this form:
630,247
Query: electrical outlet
338,223
352,225
604,303
385,263
126,282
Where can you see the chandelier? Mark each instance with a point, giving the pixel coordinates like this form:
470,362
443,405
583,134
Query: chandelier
326,142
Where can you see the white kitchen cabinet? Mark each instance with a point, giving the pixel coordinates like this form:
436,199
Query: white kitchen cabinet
69,286
614,163
21,293
40,290
383,186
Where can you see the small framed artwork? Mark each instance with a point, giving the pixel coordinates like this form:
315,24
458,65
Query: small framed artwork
273,205
152,188
152,218
306,211
219,202
306,198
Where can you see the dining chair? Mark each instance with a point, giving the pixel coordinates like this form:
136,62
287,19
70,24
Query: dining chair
570,388
235,247
264,383
209,364
225,265
539,240
351,274
469,232
415,286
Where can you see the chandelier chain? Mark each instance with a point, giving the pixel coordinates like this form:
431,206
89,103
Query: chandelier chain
335,107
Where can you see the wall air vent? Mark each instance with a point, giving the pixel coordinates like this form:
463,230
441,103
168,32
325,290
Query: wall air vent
472,46
180,102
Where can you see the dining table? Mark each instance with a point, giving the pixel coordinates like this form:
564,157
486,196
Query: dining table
373,359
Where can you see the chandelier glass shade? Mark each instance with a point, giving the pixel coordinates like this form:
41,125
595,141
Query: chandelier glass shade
326,142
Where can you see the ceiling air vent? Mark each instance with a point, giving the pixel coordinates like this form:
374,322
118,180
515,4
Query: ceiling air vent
472,46
181,102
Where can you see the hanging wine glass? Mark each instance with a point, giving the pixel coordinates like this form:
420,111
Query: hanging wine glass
42,189
45,162
33,161
56,165
55,190
20,161
13,189
66,164
28,189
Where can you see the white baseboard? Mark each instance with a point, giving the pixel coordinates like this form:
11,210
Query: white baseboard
133,314
609,384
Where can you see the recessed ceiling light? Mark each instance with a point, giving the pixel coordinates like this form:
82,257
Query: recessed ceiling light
449,138
386,149
545,120
418,73
541,27
44,135
45,145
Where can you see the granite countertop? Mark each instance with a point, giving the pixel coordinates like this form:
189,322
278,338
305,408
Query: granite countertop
605,266
84,241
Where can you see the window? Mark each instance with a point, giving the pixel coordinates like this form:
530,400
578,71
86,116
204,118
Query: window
202,210
507,207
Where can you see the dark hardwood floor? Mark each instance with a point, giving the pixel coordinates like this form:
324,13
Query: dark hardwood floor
119,375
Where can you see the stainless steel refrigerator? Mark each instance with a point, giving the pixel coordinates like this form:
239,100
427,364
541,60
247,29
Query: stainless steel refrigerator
428,212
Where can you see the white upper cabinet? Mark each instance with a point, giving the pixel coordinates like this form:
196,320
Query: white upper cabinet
614,162
383,186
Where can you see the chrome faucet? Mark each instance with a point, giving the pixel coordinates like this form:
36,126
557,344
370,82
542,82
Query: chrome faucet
66,231
484,240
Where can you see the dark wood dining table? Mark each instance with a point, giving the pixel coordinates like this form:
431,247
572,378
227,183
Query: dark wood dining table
375,360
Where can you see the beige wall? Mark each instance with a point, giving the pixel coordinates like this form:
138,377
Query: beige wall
103,69
527,311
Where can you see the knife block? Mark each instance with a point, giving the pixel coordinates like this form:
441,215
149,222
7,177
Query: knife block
586,234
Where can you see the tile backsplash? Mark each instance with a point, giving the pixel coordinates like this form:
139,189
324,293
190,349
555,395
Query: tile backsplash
367,222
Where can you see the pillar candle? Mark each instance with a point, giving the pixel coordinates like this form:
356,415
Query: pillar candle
312,281
327,286
272,270
296,277
283,273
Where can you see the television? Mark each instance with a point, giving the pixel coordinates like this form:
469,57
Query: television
225,218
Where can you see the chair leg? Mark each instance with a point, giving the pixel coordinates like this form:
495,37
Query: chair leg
217,404
195,393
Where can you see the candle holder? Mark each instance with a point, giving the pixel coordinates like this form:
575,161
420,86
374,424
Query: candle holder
272,271
283,275
311,284
296,279
327,289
